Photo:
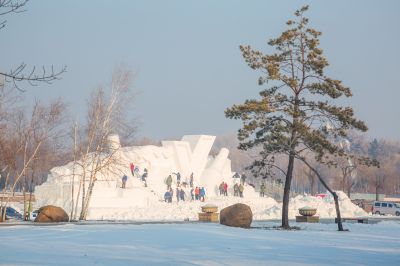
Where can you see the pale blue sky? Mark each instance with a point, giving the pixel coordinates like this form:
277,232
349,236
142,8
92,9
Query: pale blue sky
186,56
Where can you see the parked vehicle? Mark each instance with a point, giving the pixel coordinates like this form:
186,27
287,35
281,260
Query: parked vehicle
33,215
12,213
386,207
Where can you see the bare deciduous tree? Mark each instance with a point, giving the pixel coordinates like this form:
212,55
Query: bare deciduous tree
21,141
94,160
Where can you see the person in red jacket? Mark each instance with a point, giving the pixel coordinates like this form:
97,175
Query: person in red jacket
196,193
132,166
225,189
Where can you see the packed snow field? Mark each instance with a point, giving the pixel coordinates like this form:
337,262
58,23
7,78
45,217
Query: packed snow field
262,208
200,244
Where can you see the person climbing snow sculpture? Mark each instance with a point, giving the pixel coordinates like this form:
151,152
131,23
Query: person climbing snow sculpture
136,172
167,196
144,177
124,179
168,181
178,178
191,180
182,194
132,166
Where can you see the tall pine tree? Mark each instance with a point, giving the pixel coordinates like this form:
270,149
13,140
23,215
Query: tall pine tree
296,114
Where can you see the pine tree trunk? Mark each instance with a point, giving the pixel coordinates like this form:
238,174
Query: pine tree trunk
313,186
286,193
338,216
336,199
335,196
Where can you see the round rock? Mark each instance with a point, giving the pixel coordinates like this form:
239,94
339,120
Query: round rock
51,214
237,215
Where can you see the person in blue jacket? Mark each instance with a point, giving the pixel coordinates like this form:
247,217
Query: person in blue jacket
171,194
178,178
202,194
167,196
124,179
182,194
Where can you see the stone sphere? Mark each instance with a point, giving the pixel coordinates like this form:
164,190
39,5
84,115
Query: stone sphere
237,215
51,214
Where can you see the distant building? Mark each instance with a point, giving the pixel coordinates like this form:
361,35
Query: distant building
393,199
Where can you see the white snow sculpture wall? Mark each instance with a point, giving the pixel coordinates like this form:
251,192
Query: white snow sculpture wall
190,155
182,156
213,175
201,146
113,142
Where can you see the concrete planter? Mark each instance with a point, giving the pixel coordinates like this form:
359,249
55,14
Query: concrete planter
209,213
307,211
209,208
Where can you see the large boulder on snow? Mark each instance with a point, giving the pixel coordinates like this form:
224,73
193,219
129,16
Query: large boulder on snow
51,214
237,215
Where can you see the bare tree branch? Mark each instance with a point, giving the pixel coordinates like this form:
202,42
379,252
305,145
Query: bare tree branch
32,77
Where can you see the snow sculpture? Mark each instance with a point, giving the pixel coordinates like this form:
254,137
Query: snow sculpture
113,143
215,173
187,156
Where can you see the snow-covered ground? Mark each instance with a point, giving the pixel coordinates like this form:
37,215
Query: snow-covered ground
199,244
263,208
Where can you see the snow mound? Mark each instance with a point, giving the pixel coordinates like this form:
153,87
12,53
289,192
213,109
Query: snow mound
325,206
263,208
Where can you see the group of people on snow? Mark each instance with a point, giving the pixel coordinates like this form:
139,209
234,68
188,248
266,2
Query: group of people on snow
199,193
238,190
223,189
196,193
135,173
179,192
